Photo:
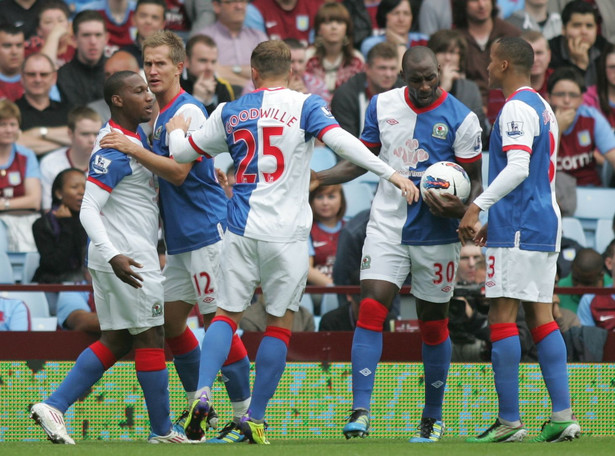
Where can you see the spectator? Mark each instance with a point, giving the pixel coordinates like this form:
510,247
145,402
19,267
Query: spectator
59,236
20,183
53,34
83,126
328,208
395,18
200,13
237,40
602,95
599,310
177,19
118,16
478,22
586,271
11,59
333,59
81,80
435,15
285,18
351,99
604,8
76,311
21,14
119,61
43,119
363,17
579,45
565,318
451,48
582,129
199,78
535,16
255,318
148,18
14,315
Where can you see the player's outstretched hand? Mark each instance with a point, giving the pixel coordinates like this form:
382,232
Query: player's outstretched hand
407,187
119,141
444,204
178,122
469,226
121,265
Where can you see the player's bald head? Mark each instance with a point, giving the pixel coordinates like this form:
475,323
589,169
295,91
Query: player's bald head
417,55
121,61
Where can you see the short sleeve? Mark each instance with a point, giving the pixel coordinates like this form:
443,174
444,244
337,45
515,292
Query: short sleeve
519,124
468,144
108,167
371,131
316,119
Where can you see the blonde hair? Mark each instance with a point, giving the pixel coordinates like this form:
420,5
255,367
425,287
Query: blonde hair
177,52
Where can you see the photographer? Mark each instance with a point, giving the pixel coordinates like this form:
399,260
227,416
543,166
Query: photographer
467,325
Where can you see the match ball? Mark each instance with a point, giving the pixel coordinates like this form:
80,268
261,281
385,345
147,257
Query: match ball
446,177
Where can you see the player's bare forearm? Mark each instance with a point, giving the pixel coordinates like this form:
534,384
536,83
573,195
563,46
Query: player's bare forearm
343,171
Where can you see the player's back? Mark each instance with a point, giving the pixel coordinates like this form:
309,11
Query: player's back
270,135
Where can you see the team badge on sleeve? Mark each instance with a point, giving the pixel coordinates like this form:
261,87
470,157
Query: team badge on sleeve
366,262
515,129
326,111
101,165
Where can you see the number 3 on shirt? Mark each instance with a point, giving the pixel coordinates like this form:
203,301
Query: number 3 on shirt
247,137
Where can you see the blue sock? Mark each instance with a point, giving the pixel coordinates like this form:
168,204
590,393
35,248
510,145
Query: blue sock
270,364
366,352
187,367
237,381
88,369
505,358
552,359
215,349
436,362
155,385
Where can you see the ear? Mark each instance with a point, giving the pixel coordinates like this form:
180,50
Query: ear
117,100
180,68
608,262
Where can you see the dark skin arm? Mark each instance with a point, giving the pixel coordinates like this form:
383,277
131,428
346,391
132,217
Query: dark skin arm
447,205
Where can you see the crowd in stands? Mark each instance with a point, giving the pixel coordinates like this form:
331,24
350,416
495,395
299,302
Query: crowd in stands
55,56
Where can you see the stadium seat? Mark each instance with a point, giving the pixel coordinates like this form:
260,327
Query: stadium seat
359,197
44,323
322,158
604,234
606,174
30,265
35,300
573,229
594,203
329,302
6,269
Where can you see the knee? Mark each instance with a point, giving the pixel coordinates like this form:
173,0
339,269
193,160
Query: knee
372,315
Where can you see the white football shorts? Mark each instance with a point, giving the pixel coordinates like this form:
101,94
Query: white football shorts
527,275
433,267
279,267
120,306
194,277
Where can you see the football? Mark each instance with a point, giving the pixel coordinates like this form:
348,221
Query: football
446,177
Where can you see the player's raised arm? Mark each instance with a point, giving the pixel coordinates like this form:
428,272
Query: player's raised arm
353,150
